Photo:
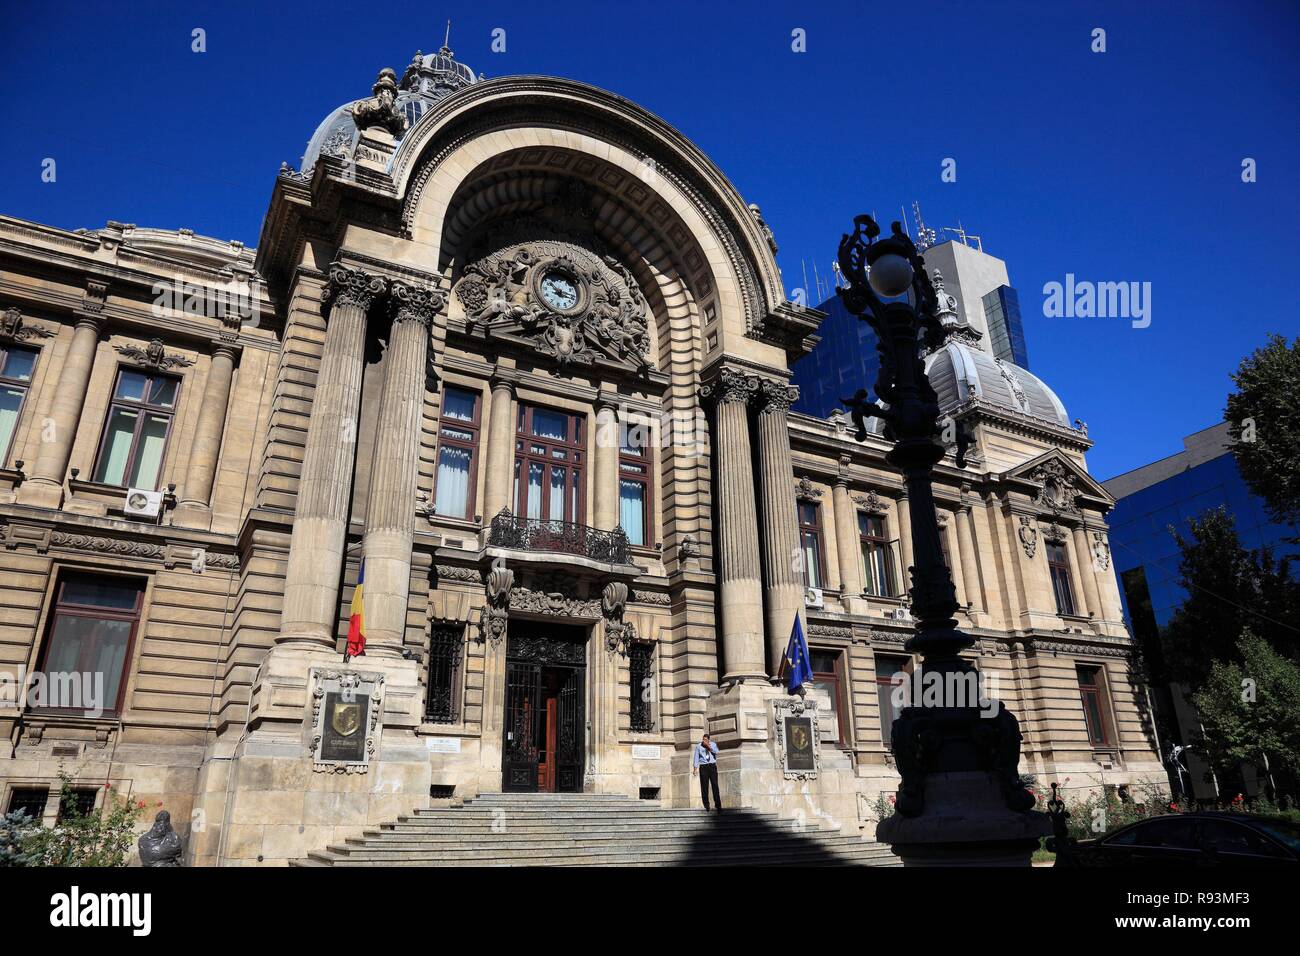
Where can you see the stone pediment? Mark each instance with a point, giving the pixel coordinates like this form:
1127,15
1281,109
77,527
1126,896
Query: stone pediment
561,299
1056,483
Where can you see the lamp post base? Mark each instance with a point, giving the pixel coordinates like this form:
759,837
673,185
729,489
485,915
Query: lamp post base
965,822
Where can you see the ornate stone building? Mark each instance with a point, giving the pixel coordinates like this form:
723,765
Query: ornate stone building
521,349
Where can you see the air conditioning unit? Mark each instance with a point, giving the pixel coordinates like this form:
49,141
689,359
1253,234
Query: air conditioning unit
812,597
901,614
142,504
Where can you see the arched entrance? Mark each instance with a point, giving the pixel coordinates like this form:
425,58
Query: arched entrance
545,707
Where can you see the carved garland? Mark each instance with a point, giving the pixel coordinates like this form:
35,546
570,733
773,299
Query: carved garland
14,326
153,355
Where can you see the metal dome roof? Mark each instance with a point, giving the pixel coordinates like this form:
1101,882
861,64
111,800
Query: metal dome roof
428,78
960,372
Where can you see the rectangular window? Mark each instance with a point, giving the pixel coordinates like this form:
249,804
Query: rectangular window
549,465
80,803
634,485
135,435
877,555
826,675
891,692
29,800
91,633
1058,563
640,662
810,540
1096,712
16,367
458,433
442,702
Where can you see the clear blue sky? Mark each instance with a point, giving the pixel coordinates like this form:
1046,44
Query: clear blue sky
1117,166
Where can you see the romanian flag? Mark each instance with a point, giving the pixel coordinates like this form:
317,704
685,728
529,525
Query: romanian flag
357,622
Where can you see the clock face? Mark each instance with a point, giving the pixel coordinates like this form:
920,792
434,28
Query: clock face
559,291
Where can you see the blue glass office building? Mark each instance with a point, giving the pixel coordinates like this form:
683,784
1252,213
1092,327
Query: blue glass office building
1006,332
1150,501
844,361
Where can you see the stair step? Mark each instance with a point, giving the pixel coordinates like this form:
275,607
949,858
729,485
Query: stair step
595,830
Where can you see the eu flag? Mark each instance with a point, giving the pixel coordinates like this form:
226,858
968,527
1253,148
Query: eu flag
797,665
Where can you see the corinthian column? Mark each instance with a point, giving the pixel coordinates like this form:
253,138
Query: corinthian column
500,448
193,508
311,583
1083,558
390,501
742,595
969,569
846,539
44,487
782,582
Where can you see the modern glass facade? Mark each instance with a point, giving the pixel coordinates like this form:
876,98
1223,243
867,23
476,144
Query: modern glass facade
844,361
1006,332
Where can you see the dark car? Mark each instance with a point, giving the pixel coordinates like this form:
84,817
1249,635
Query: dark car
1196,839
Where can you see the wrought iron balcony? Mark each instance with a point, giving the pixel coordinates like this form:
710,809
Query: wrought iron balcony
558,537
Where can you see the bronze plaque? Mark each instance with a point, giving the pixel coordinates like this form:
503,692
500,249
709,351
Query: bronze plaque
800,754
343,736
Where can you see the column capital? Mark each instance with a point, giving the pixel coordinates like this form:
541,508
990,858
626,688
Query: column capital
353,286
776,396
414,303
731,386
503,379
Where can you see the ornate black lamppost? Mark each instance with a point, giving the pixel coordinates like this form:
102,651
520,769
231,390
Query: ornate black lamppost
960,799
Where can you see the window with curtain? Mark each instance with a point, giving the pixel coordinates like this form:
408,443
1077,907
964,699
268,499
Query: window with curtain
135,434
91,632
634,485
549,466
890,671
826,675
16,367
1058,563
810,540
458,434
1096,711
877,555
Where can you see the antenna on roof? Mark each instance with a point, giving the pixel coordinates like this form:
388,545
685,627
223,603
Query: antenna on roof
925,236
446,40
817,278
961,233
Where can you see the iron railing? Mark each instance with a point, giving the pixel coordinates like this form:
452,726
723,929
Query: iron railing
558,537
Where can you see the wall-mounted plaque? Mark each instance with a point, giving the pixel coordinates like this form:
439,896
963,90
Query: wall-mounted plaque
645,752
442,745
797,736
346,707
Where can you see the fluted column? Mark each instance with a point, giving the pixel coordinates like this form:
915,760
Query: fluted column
498,481
846,539
394,473
44,486
605,512
741,589
782,581
955,559
905,538
969,568
193,509
311,585
1083,558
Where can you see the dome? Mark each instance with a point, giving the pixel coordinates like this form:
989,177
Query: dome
428,78
960,372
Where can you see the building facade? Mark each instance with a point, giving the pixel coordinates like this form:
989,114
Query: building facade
512,359
1151,503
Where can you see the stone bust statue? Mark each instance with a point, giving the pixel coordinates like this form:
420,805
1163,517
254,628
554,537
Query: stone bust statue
160,845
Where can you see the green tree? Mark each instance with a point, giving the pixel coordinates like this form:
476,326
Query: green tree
102,837
1250,709
1263,417
1228,589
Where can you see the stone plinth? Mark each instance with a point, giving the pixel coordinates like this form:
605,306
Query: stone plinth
966,822
278,803
742,720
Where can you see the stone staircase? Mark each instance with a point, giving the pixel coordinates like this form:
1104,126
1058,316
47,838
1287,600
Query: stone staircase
516,829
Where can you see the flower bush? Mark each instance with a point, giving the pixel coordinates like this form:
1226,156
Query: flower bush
102,837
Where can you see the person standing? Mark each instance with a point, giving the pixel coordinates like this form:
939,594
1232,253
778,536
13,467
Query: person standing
705,762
